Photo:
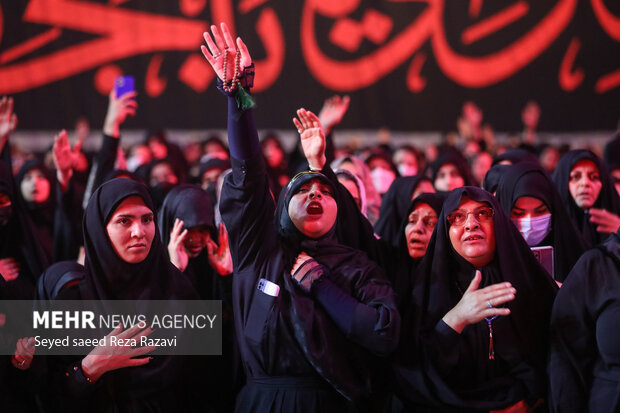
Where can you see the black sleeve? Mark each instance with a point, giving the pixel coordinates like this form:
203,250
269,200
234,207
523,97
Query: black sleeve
371,325
573,338
102,165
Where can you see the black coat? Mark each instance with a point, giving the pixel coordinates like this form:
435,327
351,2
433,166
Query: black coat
585,339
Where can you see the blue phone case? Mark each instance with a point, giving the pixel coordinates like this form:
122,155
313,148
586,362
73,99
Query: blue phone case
123,85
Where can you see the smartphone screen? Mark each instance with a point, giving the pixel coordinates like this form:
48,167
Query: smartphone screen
123,85
544,255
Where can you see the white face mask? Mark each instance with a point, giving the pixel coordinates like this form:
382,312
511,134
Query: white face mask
407,170
534,230
382,179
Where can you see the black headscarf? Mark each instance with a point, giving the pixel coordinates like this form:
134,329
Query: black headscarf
402,267
353,272
192,205
42,214
516,155
56,277
608,197
160,190
520,339
493,176
18,241
108,277
455,159
527,179
394,207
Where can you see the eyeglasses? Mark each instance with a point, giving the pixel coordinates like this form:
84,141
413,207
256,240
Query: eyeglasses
428,220
482,214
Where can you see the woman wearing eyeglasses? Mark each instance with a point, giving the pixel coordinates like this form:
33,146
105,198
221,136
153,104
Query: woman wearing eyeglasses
475,335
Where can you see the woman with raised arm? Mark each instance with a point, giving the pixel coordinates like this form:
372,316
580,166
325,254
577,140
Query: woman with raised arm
309,312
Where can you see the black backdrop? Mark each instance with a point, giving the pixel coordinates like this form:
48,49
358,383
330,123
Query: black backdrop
408,65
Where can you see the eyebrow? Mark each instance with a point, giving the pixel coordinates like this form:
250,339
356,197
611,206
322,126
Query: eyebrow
150,214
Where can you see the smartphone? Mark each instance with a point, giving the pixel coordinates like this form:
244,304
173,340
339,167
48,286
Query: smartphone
544,255
123,85
268,287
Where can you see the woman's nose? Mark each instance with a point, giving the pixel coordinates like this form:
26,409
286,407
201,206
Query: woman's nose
137,230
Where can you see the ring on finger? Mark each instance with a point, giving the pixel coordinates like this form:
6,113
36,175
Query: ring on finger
299,130
21,363
489,304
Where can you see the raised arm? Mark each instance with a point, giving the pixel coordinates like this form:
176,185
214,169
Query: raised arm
8,123
118,111
246,205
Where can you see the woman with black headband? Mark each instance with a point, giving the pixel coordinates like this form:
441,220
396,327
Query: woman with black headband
588,195
476,335
309,311
526,193
125,260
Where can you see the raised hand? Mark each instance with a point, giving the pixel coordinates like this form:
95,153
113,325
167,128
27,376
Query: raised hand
9,269
333,111
222,48
118,110
8,119
312,138
176,246
104,358
606,221
219,256
24,353
476,305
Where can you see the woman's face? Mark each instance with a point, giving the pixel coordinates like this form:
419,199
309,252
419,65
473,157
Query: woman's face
273,153
196,240
35,187
472,232
448,178
131,230
353,190
584,183
162,172
528,207
424,187
313,209
421,223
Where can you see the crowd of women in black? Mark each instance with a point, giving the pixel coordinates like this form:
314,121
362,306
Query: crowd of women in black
406,282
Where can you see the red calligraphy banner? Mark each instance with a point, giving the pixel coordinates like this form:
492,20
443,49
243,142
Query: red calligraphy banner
408,64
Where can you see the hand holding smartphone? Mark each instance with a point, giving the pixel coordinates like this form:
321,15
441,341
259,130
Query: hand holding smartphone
123,85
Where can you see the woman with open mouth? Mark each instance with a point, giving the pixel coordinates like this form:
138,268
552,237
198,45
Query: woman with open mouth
475,337
311,314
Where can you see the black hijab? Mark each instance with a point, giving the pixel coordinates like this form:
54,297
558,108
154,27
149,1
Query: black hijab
346,366
41,213
493,176
108,277
454,158
402,268
18,241
608,197
192,205
520,339
394,207
516,155
56,277
527,179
